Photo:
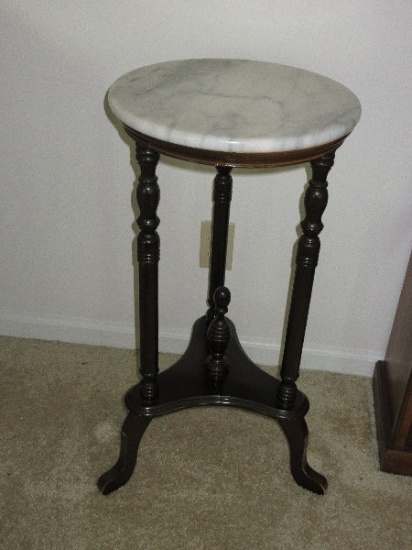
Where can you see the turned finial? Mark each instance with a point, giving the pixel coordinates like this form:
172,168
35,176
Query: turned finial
218,336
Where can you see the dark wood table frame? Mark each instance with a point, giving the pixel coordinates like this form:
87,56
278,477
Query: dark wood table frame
215,370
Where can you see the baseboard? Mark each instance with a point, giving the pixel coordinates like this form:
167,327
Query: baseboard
76,331
87,331
357,362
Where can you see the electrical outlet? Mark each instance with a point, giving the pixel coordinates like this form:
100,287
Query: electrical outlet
205,243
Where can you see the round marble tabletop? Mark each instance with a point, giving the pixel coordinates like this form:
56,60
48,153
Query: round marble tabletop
233,105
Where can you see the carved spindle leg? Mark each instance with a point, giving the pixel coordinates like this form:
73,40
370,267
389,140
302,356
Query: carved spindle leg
148,254
222,195
133,430
218,336
296,432
316,199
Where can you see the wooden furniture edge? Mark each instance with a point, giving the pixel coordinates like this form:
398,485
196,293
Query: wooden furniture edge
233,159
391,460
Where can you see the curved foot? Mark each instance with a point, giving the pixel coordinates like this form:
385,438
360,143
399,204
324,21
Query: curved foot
133,430
296,432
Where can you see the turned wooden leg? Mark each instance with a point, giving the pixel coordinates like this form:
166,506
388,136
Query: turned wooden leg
316,199
148,242
296,432
222,196
148,252
133,430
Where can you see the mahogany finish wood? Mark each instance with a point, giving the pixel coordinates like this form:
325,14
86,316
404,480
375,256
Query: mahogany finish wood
214,369
316,199
218,336
222,196
133,430
392,387
185,385
148,254
233,159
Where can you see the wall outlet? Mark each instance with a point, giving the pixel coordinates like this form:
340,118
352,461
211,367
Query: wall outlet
205,244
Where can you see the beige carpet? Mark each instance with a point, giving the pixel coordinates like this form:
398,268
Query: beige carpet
209,479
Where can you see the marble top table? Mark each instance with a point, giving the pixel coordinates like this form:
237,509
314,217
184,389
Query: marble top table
237,106
227,113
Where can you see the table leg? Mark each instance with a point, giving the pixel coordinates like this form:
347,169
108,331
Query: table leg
296,432
148,246
316,199
148,253
222,196
133,430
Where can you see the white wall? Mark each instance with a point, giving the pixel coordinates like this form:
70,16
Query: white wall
66,269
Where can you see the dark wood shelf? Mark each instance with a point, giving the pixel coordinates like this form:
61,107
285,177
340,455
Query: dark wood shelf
185,383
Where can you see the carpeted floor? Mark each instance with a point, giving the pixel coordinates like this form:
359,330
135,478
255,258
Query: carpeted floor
207,479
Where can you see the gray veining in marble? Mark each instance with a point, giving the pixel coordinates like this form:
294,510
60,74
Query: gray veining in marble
234,105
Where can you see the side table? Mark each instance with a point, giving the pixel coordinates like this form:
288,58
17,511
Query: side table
229,114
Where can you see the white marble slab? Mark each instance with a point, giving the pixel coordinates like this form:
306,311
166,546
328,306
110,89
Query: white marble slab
234,105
